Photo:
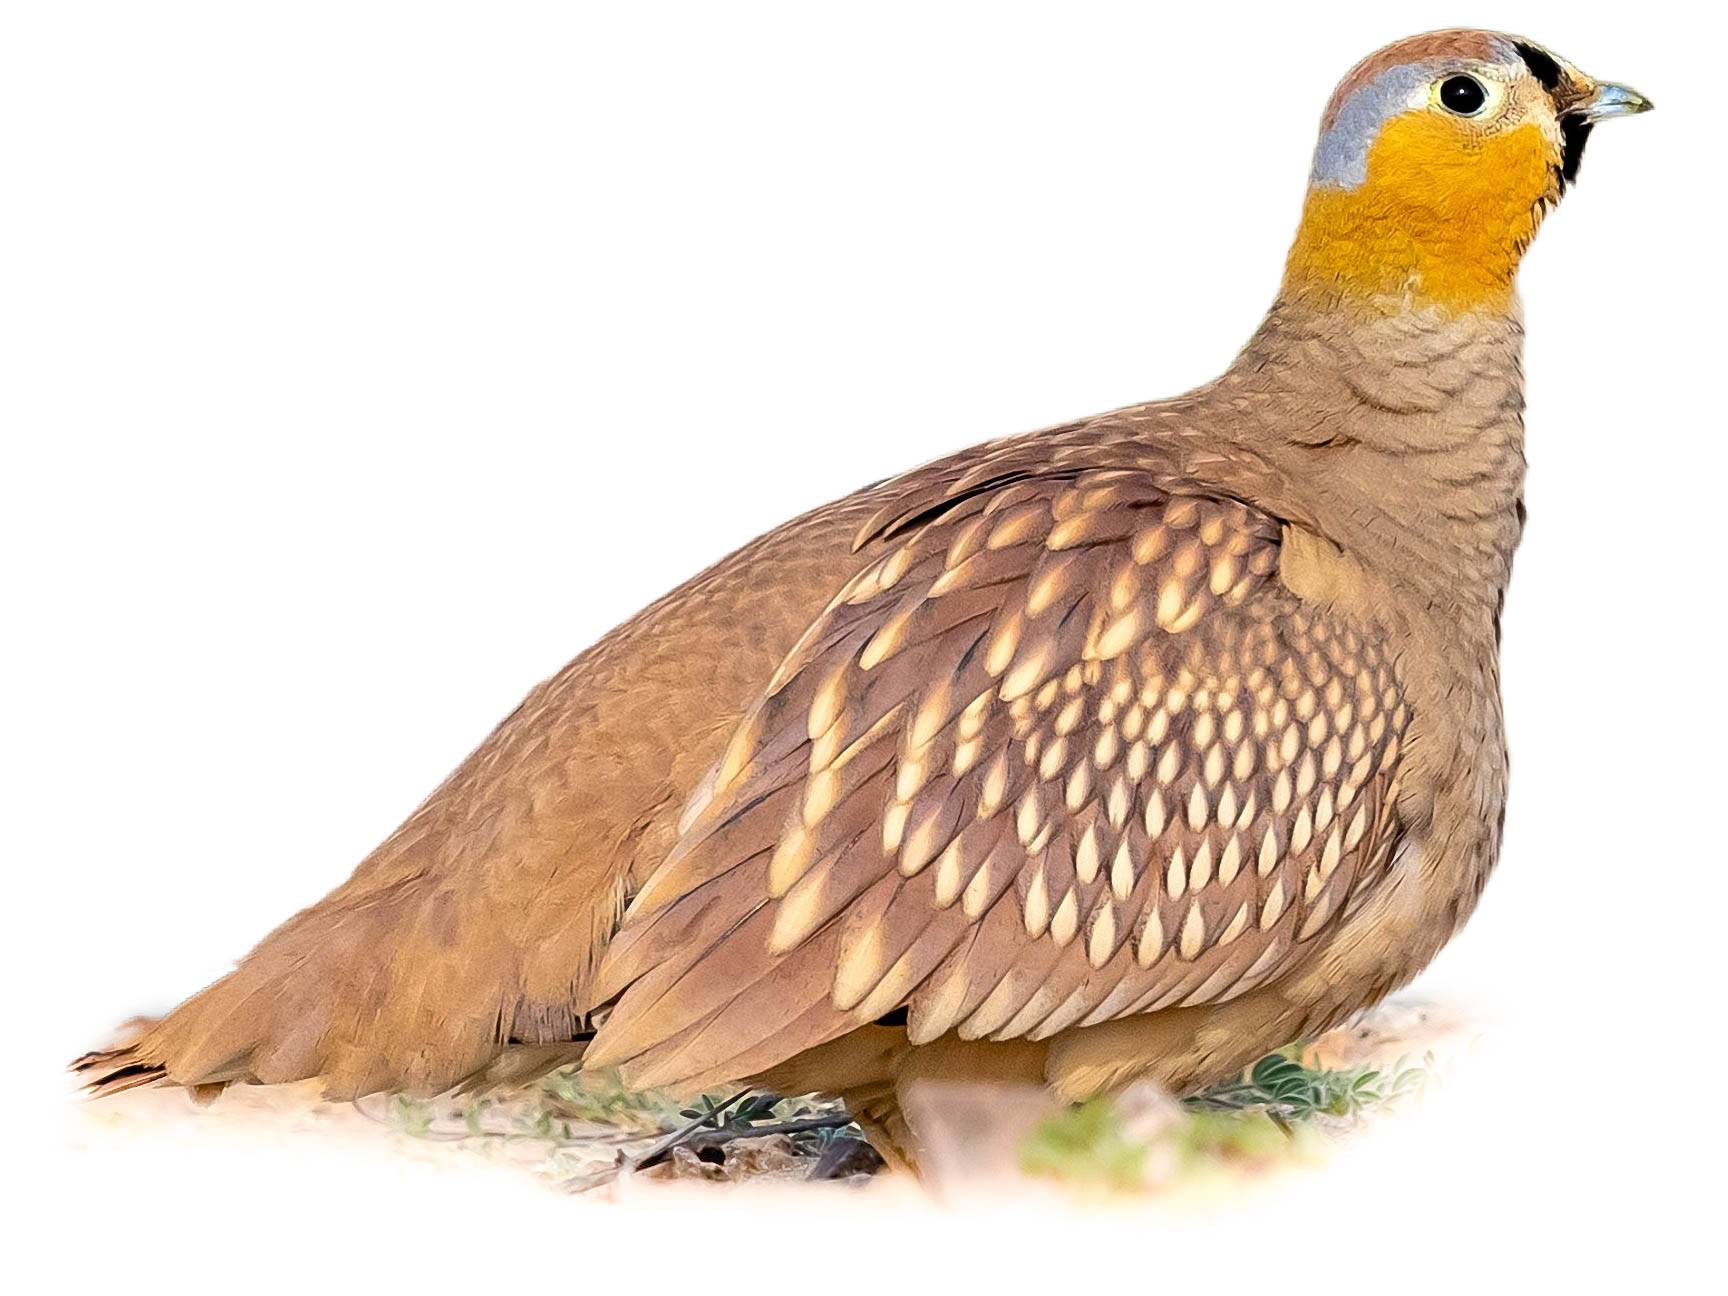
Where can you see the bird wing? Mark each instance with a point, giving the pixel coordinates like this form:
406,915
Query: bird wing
1065,750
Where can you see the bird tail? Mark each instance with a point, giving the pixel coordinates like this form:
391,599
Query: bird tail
121,1067
289,1011
136,1062
366,993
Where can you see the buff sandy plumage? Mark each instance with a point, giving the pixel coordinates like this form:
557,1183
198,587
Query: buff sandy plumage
1133,747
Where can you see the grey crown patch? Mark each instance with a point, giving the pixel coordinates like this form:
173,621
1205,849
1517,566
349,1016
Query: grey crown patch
1341,158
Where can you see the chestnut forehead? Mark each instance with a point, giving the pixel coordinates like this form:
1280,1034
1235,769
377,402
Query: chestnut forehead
1474,46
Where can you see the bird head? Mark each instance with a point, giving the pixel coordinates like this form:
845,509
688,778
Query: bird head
1438,158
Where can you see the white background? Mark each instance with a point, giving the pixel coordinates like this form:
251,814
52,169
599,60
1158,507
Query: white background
362,362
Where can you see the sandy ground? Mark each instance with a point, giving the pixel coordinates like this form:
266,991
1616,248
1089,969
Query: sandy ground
577,1136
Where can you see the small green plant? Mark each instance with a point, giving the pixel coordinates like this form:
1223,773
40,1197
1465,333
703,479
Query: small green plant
1086,1145
415,1118
1271,1114
1279,1085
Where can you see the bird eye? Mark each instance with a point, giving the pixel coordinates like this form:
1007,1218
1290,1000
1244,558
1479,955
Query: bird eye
1463,95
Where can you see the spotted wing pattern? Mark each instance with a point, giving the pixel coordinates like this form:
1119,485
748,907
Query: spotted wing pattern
1064,751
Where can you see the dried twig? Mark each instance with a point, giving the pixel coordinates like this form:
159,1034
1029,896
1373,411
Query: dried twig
655,1152
838,1154
803,1125
658,1151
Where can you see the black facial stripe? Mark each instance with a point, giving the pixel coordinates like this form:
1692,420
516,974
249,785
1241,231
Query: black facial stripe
1574,129
1541,64
1574,134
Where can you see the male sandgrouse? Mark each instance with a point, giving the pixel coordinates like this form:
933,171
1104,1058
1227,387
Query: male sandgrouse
1137,746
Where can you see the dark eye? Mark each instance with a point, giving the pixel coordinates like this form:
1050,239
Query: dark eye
1463,95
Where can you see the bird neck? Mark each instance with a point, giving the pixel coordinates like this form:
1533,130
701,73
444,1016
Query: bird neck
1429,226
1398,439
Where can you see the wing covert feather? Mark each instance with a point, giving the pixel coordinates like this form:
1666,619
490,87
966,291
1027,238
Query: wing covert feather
1063,750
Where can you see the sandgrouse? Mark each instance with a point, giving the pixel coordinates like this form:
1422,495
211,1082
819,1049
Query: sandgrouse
1133,747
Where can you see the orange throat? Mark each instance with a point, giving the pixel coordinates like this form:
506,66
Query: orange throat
1434,224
